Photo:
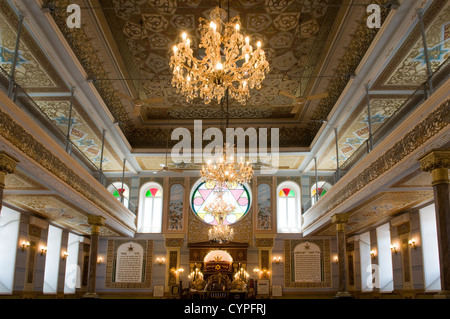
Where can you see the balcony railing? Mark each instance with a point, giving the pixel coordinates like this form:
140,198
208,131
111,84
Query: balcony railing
38,115
420,95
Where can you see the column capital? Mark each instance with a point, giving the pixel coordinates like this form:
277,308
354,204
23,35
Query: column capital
340,220
96,221
7,163
438,158
437,162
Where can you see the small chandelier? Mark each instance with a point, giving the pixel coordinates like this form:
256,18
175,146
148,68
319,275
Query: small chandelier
220,209
221,233
227,172
229,62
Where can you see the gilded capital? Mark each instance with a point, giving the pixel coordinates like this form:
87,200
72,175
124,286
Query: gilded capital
340,220
7,163
434,159
96,220
437,162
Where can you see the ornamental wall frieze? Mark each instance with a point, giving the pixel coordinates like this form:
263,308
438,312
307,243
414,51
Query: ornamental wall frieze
28,145
157,138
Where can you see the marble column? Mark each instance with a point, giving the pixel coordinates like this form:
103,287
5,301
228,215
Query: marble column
438,163
7,166
340,220
96,222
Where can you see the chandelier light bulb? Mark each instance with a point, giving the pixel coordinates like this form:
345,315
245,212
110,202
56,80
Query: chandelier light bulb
237,27
183,36
219,66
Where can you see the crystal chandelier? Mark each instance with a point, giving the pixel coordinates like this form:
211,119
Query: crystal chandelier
227,172
221,234
229,62
220,209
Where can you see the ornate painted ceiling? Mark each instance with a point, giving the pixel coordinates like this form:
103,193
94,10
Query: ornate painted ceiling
125,46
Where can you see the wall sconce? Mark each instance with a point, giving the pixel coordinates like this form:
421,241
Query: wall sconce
277,259
160,260
65,254
43,250
412,243
394,249
256,269
99,260
25,245
372,254
336,259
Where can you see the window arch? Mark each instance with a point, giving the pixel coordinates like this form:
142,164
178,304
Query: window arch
322,188
150,208
117,189
288,208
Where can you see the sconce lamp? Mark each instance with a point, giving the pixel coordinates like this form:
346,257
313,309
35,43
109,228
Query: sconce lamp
99,260
277,259
43,250
256,269
394,249
412,243
372,254
25,245
160,260
65,254
336,259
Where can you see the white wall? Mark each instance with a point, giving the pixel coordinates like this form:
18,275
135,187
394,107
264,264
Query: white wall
365,262
386,277
52,259
9,232
72,274
430,250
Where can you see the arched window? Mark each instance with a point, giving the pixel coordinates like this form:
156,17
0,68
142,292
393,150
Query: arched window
203,193
117,189
322,187
150,208
288,208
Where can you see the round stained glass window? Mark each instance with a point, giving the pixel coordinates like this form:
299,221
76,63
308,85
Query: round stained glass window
236,194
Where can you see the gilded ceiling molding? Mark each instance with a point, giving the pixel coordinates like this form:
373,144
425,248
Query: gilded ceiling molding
28,145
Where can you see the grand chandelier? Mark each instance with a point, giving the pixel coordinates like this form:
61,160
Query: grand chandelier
226,172
219,208
229,62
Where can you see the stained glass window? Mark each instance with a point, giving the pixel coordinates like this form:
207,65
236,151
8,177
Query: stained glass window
321,188
150,208
288,208
118,189
237,195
